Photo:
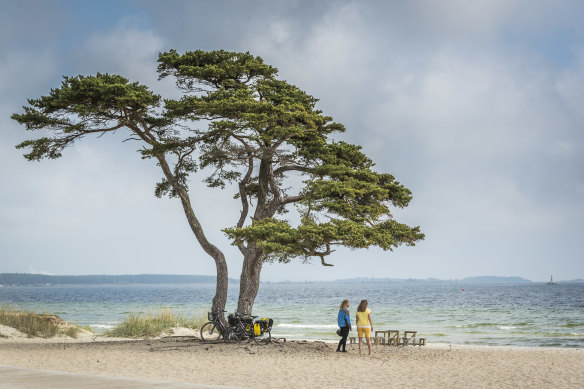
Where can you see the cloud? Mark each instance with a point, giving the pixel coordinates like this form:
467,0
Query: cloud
127,50
569,87
480,134
32,25
477,107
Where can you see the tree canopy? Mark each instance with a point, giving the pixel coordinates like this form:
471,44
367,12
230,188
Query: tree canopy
244,129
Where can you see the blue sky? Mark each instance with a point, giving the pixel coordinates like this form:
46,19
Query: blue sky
478,107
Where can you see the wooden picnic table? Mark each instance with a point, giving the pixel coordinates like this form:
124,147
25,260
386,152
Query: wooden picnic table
391,337
409,336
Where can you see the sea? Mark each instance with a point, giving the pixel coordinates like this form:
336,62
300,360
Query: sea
531,314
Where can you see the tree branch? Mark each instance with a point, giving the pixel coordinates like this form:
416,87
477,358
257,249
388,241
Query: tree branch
273,186
323,262
146,128
291,199
287,168
284,139
243,194
321,255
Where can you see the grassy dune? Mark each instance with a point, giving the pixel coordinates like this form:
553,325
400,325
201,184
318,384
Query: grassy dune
34,324
152,324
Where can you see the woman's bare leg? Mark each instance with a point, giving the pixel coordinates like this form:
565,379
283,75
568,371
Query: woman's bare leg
360,345
369,345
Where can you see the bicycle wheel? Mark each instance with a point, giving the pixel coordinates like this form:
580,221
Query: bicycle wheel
234,335
266,338
210,332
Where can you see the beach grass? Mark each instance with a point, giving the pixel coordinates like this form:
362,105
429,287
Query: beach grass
35,324
152,324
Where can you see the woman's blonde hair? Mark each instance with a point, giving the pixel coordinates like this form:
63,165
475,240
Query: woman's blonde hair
344,304
362,306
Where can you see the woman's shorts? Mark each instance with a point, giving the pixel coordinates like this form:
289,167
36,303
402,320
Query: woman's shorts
364,331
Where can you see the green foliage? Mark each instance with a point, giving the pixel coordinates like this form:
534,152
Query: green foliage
36,324
153,324
282,242
215,69
259,133
85,105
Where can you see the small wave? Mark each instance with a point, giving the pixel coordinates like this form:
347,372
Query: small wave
500,326
474,325
102,325
290,325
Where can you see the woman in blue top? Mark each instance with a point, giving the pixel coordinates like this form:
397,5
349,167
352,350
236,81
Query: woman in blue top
345,323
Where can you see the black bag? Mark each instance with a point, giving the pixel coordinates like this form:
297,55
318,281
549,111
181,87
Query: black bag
232,320
339,332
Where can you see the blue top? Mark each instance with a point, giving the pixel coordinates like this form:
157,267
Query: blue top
341,319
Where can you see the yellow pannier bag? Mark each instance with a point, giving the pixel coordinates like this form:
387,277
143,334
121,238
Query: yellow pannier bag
257,329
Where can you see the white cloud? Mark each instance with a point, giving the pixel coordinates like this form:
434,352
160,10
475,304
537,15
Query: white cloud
125,49
128,51
467,103
463,18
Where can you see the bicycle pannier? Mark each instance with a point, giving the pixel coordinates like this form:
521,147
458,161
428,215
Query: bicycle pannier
257,329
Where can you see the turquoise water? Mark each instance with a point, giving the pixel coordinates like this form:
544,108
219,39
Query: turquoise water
518,314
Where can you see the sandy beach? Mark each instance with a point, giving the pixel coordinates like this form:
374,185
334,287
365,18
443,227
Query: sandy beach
299,364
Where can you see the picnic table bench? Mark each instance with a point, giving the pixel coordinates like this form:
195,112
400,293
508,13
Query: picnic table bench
392,338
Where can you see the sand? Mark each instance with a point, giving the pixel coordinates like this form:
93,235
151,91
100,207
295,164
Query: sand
300,364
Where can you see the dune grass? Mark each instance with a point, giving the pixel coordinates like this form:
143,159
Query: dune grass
152,324
34,324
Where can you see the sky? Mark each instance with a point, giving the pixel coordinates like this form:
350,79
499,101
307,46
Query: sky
477,107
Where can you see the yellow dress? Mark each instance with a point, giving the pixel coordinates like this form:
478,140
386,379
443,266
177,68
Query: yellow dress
363,327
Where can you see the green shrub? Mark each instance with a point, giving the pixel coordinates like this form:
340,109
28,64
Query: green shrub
153,324
36,324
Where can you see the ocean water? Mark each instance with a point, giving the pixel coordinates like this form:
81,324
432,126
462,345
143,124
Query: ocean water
500,314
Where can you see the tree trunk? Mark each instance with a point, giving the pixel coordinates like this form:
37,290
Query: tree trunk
249,282
222,285
220,298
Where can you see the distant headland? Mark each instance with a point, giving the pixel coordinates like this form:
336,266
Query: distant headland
473,280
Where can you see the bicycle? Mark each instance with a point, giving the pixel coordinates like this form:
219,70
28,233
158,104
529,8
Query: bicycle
243,326
214,329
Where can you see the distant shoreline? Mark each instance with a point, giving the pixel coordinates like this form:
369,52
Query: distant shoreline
29,279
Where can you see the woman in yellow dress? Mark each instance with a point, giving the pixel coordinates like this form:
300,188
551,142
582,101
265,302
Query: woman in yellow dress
364,324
